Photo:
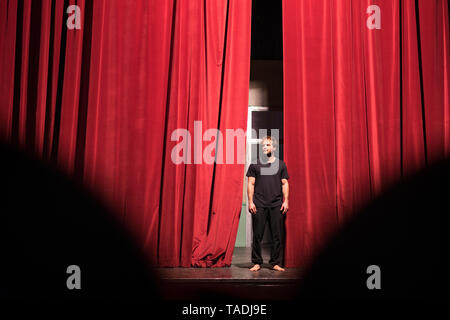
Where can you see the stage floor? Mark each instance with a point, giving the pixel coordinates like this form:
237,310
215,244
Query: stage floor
236,281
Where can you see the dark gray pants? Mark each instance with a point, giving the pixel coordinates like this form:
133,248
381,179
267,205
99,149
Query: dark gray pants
276,224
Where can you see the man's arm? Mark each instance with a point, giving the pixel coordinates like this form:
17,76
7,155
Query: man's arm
250,192
285,187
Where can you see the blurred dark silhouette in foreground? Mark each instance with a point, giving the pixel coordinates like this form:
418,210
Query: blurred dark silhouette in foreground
49,223
401,232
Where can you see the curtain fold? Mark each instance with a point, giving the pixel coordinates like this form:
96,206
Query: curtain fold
102,102
363,107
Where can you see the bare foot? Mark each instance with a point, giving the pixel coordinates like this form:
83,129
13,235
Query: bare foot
256,267
278,268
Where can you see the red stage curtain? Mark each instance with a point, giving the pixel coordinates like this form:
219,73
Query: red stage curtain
102,102
363,107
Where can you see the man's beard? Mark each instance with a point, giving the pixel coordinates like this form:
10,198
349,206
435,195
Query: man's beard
266,157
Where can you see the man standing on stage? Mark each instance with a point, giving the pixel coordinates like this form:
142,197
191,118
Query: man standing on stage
268,192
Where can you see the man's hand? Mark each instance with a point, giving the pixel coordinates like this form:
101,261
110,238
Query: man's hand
252,207
284,207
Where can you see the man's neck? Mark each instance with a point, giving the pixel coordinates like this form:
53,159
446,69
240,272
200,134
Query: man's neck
271,159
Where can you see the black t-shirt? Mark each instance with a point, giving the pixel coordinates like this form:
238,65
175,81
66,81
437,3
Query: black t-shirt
268,187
